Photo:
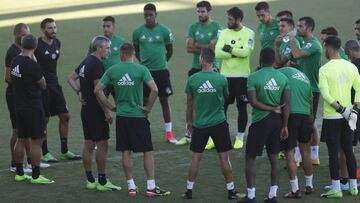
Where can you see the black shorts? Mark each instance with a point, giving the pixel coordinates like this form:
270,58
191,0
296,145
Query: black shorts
357,133
219,133
335,129
54,101
300,129
133,134
162,80
192,71
30,123
237,90
316,96
265,132
11,106
95,127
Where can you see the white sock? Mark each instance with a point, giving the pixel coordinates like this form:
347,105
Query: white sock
353,183
240,135
230,186
314,152
297,154
251,193
309,181
168,127
273,191
150,184
189,185
131,184
335,185
294,185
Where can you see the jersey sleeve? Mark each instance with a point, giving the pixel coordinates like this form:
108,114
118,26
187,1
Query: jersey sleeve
217,31
246,49
311,47
188,89
36,72
105,79
8,59
251,83
147,76
324,87
219,53
226,88
356,86
168,36
135,37
191,32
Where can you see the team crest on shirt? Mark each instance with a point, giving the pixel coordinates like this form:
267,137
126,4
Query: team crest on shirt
115,48
53,56
157,37
271,33
57,51
308,45
232,41
209,34
150,39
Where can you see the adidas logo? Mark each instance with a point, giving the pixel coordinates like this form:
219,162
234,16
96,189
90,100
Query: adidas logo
81,72
126,80
342,79
271,85
300,76
16,72
206,87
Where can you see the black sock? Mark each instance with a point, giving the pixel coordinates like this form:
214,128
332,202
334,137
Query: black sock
35,171
90,176
102,179
13,164
29,160
64,146
19,169
343,180
44,147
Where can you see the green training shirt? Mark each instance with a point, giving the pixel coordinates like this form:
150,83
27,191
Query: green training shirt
285,50
128,79
268,34
310,64
269,85
300,90
203,35
208,90
237,63
343,54
337,77
152,44
114,56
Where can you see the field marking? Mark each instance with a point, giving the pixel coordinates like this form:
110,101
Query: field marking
135,155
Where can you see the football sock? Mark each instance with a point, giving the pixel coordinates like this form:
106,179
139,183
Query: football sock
168,127
251,193
102,179
273,191
44,147
309,181
189,185
240,135
64,145
35,171
294,184
90,176
19,169
230,185
131,184
150,184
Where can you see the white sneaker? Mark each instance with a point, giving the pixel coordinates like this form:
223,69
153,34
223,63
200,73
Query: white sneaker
13,169
27,168
44,165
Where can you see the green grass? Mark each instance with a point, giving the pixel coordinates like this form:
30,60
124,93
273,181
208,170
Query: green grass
171,162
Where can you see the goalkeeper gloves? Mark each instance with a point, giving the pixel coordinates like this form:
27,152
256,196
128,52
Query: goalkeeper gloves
227,48
353,117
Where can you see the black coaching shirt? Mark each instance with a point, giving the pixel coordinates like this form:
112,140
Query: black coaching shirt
89,70
24,76
47,57
12,51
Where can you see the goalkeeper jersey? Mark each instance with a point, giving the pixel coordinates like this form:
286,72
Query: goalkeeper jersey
336,78
237,63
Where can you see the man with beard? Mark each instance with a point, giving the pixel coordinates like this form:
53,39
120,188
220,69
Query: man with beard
108,27
234,48
47,55
94,117
153,44
336,79
331,31
268,27
308,58
202,34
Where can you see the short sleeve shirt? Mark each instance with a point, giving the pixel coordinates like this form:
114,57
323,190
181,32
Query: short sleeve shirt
24,76
285,50
12,51
128,80
268,34
89,70
207,90
47,57
311,64
269,85
152,44
203,35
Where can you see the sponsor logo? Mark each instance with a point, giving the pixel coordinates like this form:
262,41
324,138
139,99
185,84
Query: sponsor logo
82,71
206,87
342,79
16,72
300,76
271,85
46,52
126,80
